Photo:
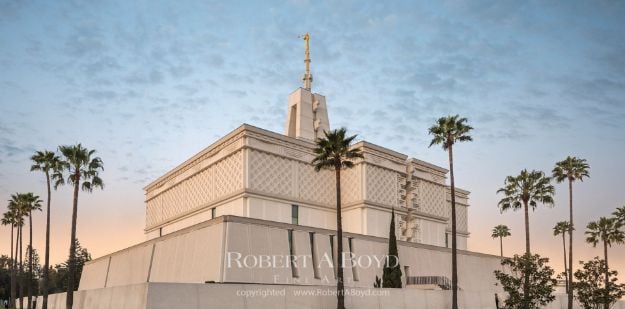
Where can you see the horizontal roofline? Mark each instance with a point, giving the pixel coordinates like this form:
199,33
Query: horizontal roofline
242,128
379,148
430,165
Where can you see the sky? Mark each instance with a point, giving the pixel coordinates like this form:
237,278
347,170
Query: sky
150,83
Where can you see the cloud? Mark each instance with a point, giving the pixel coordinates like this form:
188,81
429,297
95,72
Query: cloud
145,77
104,95
88,39
102,64
9,9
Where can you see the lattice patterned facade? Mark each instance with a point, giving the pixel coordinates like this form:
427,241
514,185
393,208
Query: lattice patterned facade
382,186
431,198
210,184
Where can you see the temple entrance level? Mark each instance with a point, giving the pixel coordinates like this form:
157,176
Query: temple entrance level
230,249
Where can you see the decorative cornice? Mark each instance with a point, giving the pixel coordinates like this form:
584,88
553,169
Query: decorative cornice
208,152
427,167
228,140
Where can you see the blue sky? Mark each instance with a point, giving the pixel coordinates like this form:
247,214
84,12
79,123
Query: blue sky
150,83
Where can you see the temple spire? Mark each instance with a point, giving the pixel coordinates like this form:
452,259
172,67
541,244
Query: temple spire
307,76
307,116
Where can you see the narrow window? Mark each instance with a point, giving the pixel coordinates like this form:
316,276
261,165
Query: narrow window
332,254
213,212
447,240
292,255
407,273
294,214
351,253
313,253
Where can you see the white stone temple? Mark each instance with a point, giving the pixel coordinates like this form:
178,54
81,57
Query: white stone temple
260,174
254,193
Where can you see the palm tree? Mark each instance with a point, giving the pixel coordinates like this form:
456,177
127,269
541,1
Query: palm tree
334,152
501,231
83,170
619,214
17,204
522,191
562,228
447,131
571,169
525,190
607,230
10,218
31,202
49,163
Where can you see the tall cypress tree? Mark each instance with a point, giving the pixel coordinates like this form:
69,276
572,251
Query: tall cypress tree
392,270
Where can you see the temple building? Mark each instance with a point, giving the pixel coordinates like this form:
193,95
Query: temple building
261,174
254,193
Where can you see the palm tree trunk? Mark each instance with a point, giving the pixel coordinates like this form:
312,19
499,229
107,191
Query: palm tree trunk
607,272
454,248
526,283
46,264
501,246
13,266
566,273
340,288
527,227
21,277
30,259
72,247
17,265
570,276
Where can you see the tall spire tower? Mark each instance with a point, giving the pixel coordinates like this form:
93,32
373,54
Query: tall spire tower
307,76
307,117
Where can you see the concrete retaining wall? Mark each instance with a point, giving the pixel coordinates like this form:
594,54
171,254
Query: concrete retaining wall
201,253
127,297
255,296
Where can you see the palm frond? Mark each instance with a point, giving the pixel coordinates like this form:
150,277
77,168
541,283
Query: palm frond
607,230
335,151
529,188
561,228
81,165
500,231
449,130
572,169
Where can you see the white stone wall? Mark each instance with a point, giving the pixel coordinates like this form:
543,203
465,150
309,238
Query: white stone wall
377,222
130,266
277,176
94,274
192,257
200,253
260,174
128,297
235,207
432,233
231,296
212,183
382,185
249,239
354,220
431,199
